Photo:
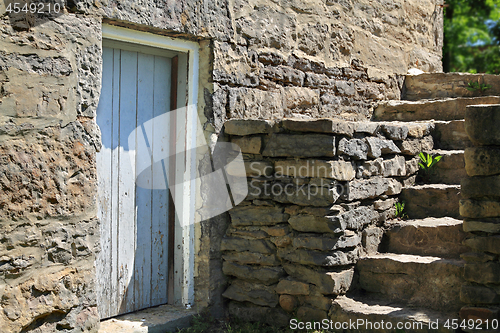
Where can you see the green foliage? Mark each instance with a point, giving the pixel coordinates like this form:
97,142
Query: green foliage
477,87
427,161
472,36
400,210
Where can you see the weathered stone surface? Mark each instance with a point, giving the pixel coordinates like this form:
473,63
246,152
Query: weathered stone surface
482,161
370,128
247,126
322,243
249,232
371,239
288,302
249,145
451,135
483,273
378,147
439,109
384,204
284,74
473,294
412,166
479,313
386,168
450,169
355,218
415,146
251,245
310,223
434,200
371,188
477,257
479,209
265,275
338,170
328,283
318,302
429,282
482,123
260,215
485,244
490,225
305,145
277,231
395,132
256,169
477,187
438,237
291,287
301,98
440,85
255,293
306,313
250,312
251,258
318,258
319,126
355,148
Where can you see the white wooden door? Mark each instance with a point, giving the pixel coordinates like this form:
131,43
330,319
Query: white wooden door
132,267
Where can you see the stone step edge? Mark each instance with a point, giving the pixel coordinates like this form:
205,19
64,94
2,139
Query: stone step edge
412,258
424,187
429,222
427,100
372,307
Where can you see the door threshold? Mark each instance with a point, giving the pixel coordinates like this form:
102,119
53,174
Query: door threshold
160,319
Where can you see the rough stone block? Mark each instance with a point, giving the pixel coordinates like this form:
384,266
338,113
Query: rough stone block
318,258
284,74
477,187
318,302
324,243
338,170
386,168
355,148
248,145
479,209
484,244
479,314
305,145
372,237
255,293
310,223
252,258
384,204
319,126
241,245
489,225
247,126
482,273
482,161
471,294
415,146
378,147
395,132
257,215
265,275
370,128
355,218
300,98
288,303
256,169
372,188
482,123
328,283
265,314
292,287
306,313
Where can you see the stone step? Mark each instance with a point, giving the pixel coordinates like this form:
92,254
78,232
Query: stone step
450,169
442,85
432,200
365,310
441,109
450,135
418,281
163,318
439,237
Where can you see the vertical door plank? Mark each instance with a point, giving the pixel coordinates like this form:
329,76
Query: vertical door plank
160,170
126,180
145,74
103,164
115,154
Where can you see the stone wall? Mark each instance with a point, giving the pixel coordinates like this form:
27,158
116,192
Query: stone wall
318,193
260,59
480,208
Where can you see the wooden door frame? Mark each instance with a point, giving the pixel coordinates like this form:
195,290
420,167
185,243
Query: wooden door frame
187,96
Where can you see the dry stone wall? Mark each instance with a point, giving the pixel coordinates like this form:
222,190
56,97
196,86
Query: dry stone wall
318,192
480,208
259,59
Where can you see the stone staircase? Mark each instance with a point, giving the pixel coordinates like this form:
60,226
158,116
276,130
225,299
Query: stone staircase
417,274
